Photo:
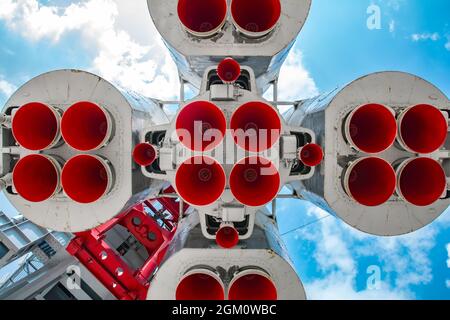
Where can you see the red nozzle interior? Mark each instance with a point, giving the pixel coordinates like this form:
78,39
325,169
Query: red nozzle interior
254,181
202,16
85,178
35,126
227,237
252,287
201,126
371,182
35,178
311,155
422,181
423,129
144,154
256,126
256,15
229,70
200,181
372,128
199,286
85,126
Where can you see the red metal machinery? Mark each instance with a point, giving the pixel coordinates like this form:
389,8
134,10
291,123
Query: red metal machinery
152,227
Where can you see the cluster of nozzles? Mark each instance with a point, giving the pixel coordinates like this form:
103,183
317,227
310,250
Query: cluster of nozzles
255,127
252,18
373,129
204,284
41,129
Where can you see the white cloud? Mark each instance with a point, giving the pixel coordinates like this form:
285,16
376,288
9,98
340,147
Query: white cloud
295,82
6,88
447,45
425,36
142,66
404,261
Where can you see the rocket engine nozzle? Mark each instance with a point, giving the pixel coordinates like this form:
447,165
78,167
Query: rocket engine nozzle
36,126
200,285
202,18
371,128
255,18
144,154
200,181
370,181
201,126
311,154
86,126
36,177
422,129
227,237
252,285
254,181
256,126
421,181
86,178
229,70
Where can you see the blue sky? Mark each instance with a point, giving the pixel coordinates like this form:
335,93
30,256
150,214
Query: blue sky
116,39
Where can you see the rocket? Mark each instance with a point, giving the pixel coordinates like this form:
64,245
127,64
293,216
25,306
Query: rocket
79,152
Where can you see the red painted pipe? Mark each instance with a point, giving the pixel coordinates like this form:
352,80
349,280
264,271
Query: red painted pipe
256,126
254,181
35,126
202,18
201,126
86,178
36,178
371,128
255,18
252,285
370,181
229,70
86,126
144,154
423,129
311,155
200,181
227,237
200,285
421,181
